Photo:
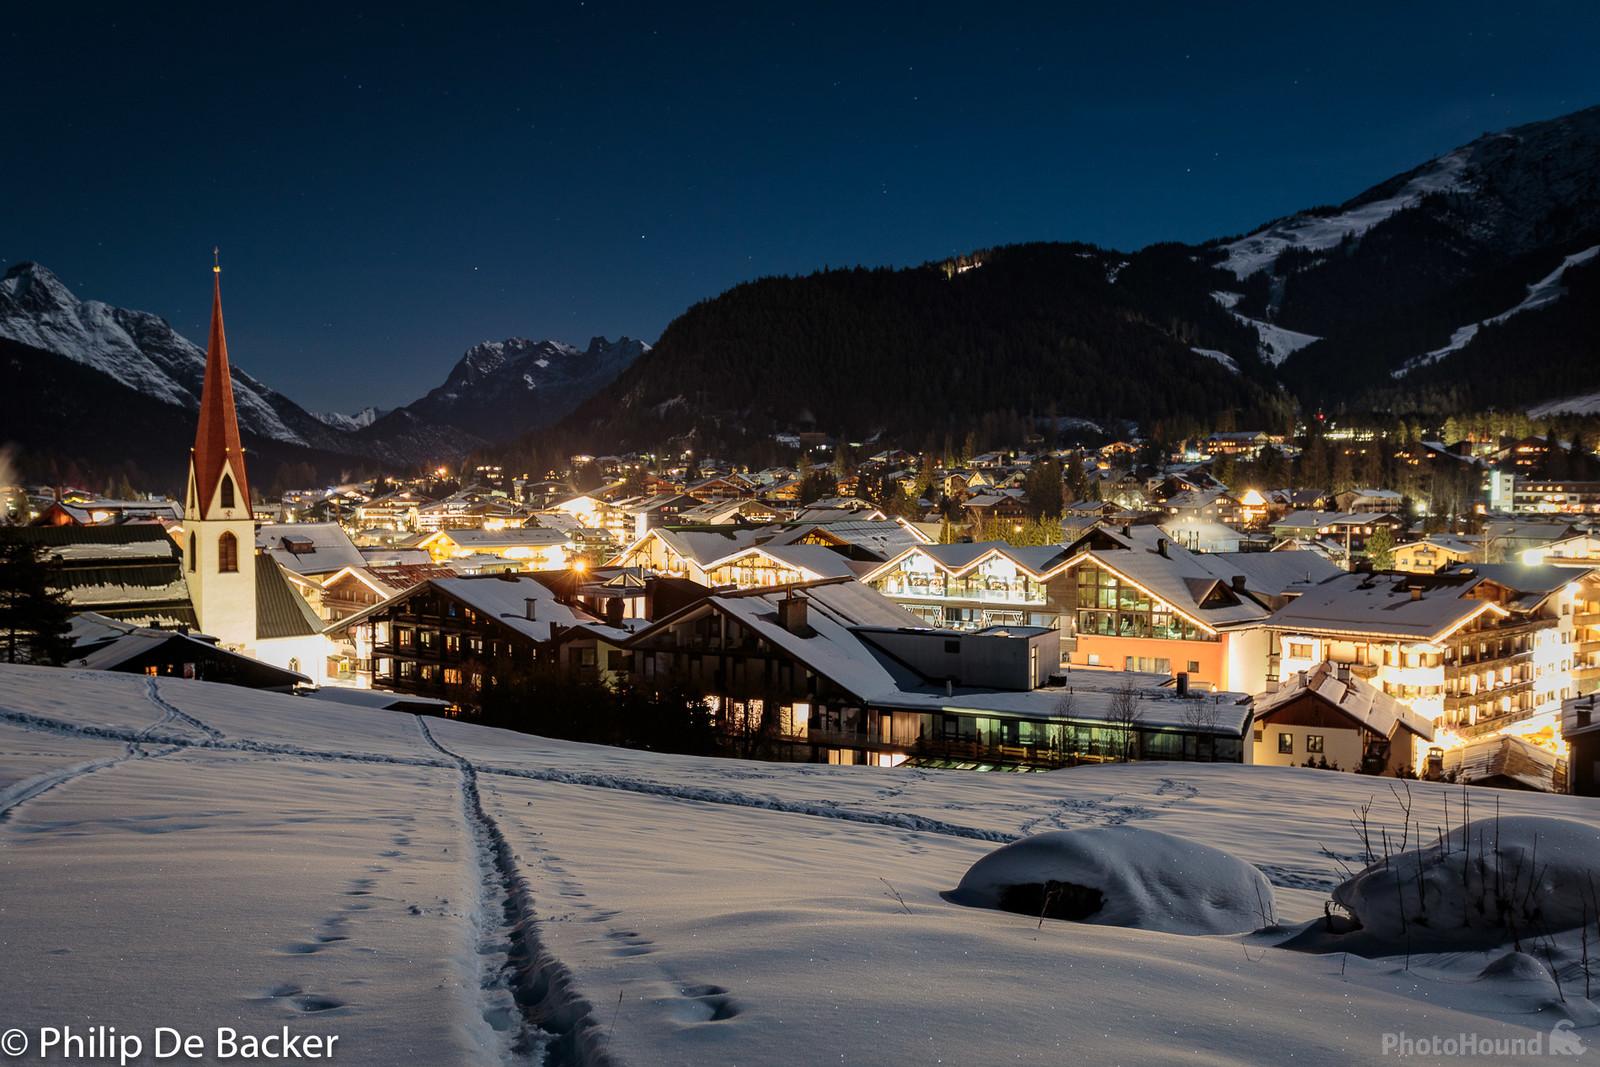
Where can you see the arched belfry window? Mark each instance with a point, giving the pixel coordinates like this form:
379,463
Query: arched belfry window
227,491
194,545
227,552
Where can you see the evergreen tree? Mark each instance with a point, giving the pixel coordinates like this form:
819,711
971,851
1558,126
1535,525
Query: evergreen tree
34,615
1380,549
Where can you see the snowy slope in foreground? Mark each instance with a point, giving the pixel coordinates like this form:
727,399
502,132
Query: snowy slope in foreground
177,853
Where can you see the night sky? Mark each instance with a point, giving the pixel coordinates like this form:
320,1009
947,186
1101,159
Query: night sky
389,189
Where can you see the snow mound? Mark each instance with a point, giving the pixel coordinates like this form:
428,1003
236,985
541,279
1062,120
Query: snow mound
1491,882
1122,876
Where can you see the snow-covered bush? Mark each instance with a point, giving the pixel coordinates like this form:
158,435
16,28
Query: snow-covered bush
1121,876
1490,881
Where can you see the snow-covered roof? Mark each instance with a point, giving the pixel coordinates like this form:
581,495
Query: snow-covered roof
1363,702
1383,605
505,597
309,547
1198,585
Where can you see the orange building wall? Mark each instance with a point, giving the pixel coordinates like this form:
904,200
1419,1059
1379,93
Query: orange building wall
1211,655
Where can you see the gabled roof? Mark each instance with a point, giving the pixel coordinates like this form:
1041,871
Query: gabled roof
1196,585
817,561
1382,605
1364,703
100,643
1037,560
505,598
216,438
280,611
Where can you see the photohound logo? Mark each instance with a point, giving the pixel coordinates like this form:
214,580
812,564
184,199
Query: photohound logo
1561,1041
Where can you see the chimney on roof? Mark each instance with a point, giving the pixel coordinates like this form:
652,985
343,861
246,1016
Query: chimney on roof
1127,529
1416,592
1161,546
1183,683
613,611
530,607
1238,583
792,614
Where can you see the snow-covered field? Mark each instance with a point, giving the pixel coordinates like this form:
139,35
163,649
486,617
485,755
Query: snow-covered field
188,855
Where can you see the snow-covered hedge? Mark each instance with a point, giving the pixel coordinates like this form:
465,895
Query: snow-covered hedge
1122,876
1492,881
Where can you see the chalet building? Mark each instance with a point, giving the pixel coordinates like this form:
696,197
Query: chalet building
1435,552
1000,505
832,672
1212,506
394,511
131,573
1140,602
657,509
1350,529
1369,501
448,638
1558,496
685,553
595,512
100,643
1473,648
1127,599
1328,716
1247,443
533,548
355,589
972,586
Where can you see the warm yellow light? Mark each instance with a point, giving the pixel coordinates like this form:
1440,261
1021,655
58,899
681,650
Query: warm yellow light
580,565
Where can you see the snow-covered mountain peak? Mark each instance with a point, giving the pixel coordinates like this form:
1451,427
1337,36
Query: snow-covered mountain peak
36,287
1319,231
139,349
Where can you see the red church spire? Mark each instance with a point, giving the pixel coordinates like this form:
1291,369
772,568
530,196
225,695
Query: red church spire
216,440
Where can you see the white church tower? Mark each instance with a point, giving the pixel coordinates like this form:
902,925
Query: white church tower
219,529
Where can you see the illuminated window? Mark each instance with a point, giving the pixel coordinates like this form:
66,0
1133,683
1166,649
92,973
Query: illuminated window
1286,744
227,552
1313,742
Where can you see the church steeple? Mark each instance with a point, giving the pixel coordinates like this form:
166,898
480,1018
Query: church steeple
218,453
219,530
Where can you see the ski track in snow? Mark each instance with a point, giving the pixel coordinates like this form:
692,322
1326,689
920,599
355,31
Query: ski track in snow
528,996
174,712
1062,813
20,793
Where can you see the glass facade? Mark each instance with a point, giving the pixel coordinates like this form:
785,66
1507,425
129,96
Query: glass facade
1111,607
